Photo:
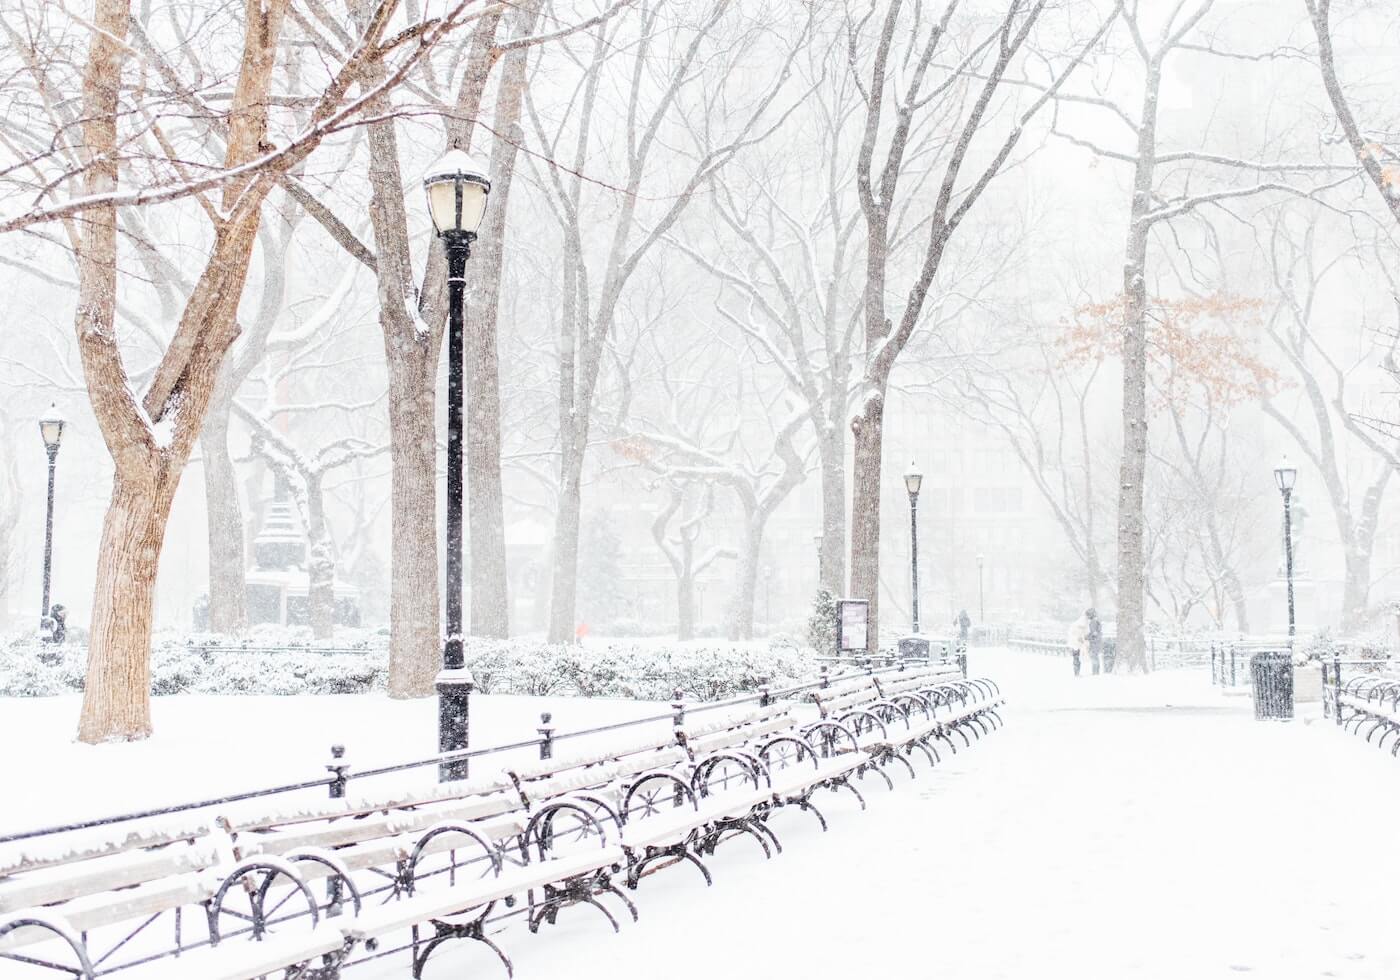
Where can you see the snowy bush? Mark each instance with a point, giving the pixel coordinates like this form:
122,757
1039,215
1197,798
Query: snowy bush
821,627
617,669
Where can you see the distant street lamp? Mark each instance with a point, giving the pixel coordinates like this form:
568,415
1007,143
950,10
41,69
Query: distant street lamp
1285,475
981,592
457,189
51,425
913,479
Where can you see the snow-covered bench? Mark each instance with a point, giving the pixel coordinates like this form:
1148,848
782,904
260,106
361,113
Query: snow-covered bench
1372,704
893,716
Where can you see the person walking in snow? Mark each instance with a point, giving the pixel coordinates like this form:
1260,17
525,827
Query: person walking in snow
963,623
1093,635
1077,639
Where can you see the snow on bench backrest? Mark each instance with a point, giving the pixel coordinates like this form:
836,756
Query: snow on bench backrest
838,699
563,778
341,832
102,874
58,849
771,720
359,804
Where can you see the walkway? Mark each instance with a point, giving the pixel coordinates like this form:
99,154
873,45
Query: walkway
1117,828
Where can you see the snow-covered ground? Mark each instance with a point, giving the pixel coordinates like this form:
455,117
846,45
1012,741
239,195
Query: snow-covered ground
1116,828
208,745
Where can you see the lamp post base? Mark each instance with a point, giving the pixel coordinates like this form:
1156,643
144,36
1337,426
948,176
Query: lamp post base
454,687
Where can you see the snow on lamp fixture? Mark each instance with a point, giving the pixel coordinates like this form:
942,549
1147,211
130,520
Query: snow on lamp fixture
51,425
1285,475
913,479
457,189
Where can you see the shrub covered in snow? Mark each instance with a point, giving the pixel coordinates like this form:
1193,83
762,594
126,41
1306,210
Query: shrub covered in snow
618,669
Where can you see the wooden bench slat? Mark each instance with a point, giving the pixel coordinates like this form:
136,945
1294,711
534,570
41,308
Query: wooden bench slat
102,874
238,959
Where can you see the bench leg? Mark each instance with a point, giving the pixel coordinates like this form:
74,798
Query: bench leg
871,767
474,930
894,756
844,782
680,852
579,890
804,802
931,756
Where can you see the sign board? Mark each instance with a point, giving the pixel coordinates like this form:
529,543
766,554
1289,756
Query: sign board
852,624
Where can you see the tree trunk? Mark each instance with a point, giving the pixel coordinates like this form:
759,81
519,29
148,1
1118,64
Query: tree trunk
867,428
1132,650
833,545
685,606
564,583
116,695
228,595
746,586
414,654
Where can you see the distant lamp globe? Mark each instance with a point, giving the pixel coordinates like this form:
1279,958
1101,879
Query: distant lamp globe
51,425
913,479
457,187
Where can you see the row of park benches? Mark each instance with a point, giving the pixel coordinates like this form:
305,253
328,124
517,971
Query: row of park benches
1368,704
327,886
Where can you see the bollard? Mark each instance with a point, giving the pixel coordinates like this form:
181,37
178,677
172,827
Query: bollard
546,731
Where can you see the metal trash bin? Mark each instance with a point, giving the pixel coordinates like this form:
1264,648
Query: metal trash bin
915,646
1271,683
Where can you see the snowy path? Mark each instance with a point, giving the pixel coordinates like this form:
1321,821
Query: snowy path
1117,828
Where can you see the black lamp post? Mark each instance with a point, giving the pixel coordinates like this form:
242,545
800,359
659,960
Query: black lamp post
457,190
913,479
1285,475
51,429
981,591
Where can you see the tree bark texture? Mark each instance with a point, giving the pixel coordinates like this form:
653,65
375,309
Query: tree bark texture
868,442
228,596
1132,649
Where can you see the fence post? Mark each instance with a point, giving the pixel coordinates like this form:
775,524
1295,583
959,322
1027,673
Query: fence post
340,772
764,698
1337,685
1233,681
546,731
340,777
677,708
1326,690
825,676
1212,663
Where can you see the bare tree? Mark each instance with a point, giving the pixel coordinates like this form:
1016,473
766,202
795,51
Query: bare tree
109,156
689,504
1380,162
305,475
700,62
917,111
1299,274
1163,188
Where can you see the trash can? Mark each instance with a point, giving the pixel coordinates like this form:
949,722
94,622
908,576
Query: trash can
914,647
1271,683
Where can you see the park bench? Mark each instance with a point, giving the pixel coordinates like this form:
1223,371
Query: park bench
1372,703
893,716
302,893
